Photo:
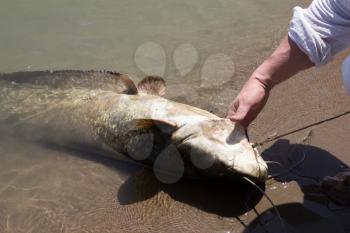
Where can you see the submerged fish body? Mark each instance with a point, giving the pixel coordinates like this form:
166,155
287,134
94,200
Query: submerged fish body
172,138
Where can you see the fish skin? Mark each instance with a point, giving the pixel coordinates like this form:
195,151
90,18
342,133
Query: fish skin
65,79
107,106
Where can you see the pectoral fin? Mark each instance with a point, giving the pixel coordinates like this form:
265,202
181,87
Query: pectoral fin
164,126
152,85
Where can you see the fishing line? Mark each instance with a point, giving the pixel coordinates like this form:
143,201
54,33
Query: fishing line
286,169
299,129
261,223
291,170
269,199
241,222
273,162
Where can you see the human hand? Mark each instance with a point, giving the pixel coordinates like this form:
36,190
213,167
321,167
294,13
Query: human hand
249,102
287,60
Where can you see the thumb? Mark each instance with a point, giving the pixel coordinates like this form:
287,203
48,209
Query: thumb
238,114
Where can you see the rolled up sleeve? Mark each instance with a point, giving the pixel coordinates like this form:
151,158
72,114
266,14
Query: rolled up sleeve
322,29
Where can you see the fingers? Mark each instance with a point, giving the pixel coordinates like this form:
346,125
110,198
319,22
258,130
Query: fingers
239,113
248,104
231,112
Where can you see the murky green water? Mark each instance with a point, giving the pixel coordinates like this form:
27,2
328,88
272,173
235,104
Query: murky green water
91,34
51,35
56,188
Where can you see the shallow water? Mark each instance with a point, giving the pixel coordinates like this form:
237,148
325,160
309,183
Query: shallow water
56,188
93,34
212,40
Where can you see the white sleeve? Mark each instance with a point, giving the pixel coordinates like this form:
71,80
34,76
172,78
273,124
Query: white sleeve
322,29
346,74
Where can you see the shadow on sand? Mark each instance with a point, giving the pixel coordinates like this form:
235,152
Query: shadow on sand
227,199
223,198
306,165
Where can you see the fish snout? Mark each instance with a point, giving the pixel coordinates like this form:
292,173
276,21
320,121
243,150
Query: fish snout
251,165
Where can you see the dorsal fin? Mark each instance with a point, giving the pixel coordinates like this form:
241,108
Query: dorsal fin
128,85
152,85
65,79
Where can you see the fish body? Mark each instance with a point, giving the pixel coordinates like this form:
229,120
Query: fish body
172,138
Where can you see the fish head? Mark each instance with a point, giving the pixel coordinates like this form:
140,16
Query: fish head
219,148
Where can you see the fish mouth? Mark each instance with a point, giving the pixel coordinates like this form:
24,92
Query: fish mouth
254,169
259,175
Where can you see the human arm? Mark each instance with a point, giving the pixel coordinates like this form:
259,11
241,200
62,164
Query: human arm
283,63
315,35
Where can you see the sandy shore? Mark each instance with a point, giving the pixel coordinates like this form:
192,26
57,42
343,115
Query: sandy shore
72,190
60,189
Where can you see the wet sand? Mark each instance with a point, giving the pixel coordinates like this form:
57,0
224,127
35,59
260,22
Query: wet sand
63,189
46,188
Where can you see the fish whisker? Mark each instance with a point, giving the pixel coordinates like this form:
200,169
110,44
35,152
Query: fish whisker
269,199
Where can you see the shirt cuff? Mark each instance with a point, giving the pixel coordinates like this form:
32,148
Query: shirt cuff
307,39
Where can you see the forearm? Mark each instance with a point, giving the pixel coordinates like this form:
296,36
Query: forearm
283,63
315,35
